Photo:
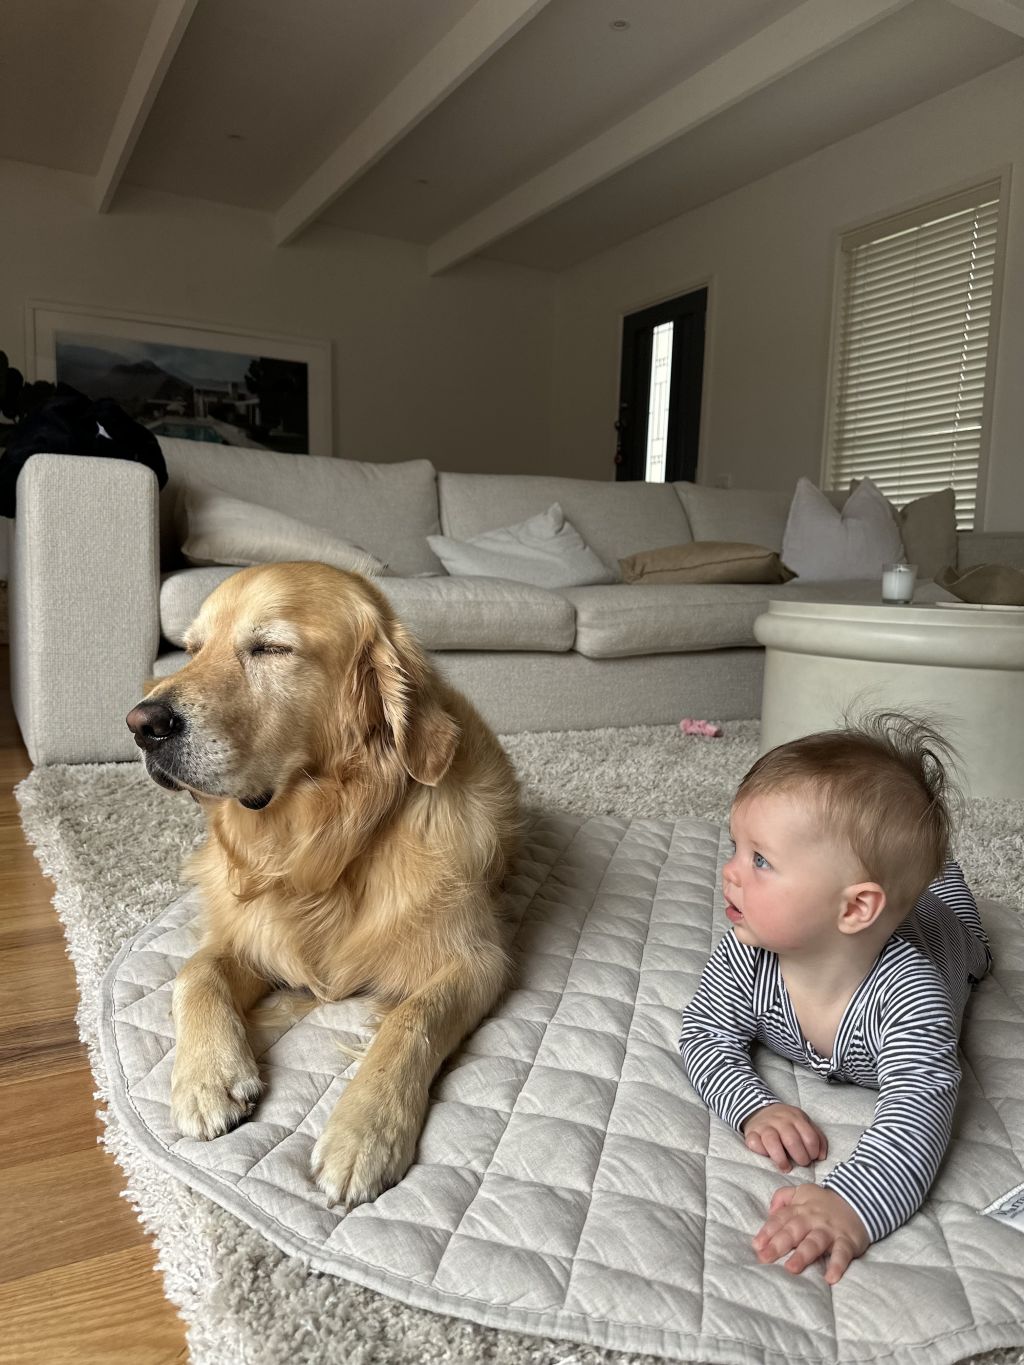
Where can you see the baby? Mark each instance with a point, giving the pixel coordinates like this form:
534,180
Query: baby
854,946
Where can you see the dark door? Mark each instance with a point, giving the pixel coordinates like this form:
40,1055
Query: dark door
660,390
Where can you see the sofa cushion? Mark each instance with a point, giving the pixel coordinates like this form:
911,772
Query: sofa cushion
615,519
442,612
706,561
223,530
481,613
625,619
545,550
388,509
182,593
754,515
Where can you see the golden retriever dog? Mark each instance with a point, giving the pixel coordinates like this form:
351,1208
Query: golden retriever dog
360,817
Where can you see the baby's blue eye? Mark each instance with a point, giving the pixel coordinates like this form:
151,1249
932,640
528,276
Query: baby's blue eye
760,861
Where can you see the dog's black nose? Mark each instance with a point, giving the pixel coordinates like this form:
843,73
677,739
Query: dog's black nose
153,722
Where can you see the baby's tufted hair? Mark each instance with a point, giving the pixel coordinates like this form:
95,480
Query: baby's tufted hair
884,785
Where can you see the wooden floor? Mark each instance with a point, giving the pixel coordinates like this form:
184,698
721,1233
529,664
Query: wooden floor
77,1282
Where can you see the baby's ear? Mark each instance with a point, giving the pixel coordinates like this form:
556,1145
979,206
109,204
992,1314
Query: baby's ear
862,904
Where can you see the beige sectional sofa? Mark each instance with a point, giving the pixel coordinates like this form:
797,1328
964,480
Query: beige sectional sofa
100,594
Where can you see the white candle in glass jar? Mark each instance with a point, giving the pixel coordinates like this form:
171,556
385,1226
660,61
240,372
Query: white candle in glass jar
898,582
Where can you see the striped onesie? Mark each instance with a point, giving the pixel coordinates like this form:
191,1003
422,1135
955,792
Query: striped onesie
898,1035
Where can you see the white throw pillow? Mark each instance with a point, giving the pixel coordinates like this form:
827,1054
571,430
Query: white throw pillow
223,530
821,543
928,530
546,551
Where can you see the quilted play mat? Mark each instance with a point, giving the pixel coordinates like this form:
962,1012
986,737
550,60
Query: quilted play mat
568,1182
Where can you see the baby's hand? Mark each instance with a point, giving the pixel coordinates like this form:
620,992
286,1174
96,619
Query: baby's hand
810,1221
780,1131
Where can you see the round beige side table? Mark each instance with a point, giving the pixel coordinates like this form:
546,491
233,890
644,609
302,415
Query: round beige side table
963,666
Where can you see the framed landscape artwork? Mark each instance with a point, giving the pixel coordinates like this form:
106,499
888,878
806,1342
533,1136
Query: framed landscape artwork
187,379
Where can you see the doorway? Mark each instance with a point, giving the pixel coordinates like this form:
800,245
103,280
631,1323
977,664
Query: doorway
660,390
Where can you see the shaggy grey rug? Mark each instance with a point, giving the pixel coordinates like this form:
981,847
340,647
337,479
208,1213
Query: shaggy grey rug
113,844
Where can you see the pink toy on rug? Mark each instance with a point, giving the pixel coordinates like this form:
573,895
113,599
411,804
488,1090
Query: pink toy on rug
708,728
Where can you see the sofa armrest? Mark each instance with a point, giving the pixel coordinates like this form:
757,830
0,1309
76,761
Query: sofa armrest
84,604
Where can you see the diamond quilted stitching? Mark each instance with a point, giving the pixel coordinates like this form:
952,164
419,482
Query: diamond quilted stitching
494,1273
504,1037
567,1094
564,1152
491,1082
652,1172
529,1003
648,1238
460,1135
407,1249
526,1215
431,1196
593,1013
606,980
581,1047
623,1294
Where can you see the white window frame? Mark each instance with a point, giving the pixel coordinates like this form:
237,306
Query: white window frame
923,210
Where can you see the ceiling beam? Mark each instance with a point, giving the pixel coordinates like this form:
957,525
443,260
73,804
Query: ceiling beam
170,21
475,38
1006,14
788,43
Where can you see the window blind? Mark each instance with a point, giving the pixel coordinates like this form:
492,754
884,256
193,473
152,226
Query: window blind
910,351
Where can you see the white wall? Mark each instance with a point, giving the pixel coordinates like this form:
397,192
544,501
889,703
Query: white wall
456,368
768,251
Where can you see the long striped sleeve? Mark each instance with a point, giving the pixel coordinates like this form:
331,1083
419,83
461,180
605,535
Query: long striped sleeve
719,1026
892,1167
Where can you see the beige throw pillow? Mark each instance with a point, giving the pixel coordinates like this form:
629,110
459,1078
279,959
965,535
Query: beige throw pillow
997,585
928,528
706,561
223,530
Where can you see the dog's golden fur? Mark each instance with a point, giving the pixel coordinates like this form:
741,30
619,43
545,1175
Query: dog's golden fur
360,817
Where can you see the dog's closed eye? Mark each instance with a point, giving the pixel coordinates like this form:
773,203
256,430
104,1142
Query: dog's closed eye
272,649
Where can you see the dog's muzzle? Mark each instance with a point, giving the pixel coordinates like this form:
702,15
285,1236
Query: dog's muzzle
153,723
156,726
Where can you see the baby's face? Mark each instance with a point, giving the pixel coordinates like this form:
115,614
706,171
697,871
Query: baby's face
783,884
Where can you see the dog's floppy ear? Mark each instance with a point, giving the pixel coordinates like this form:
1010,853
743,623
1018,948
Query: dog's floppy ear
406,694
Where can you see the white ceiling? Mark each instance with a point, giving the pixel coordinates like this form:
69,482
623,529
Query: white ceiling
537,131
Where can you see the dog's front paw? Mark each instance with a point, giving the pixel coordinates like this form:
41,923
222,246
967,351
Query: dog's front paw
210,1098
362,1152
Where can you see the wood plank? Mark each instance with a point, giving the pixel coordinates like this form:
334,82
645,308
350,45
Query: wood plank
103,1311
27,924
35,983
46,1047
81,1286
28,1132
75,1195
